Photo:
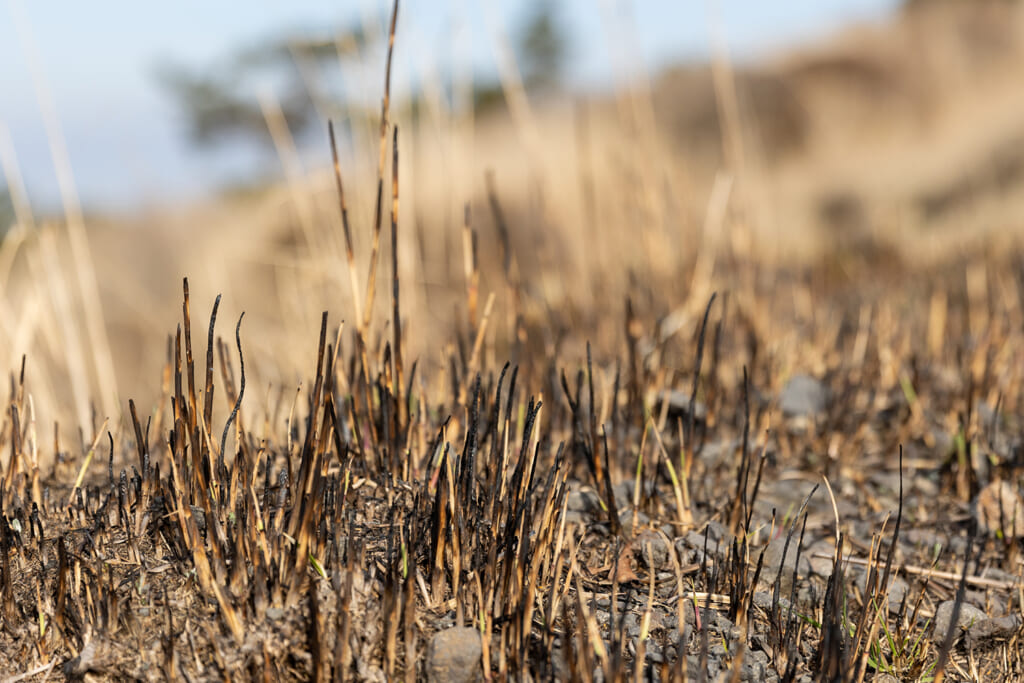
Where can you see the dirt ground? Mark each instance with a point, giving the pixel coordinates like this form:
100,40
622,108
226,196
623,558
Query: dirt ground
771,492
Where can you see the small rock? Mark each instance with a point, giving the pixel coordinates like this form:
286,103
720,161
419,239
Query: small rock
624,490
978,598
803,396
807,598
369,672
773,563
576,517
763,600
583,501
969,615
819,557
679,407
560,665
885,483
716,551
997,574
692,664
1002,628
925,485
84,662
1000,510
718,533
274,613
626,520
723,626
885,678
717,657
652,550
454,655
199,515
755,666
631,624
719,453
687,554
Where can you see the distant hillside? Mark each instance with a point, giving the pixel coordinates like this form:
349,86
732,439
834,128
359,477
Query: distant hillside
913,123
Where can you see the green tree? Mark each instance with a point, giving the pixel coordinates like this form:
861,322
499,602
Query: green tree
542,46
6,212
219,103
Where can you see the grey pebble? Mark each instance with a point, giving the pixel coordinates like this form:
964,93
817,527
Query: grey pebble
773,564
576,517
199,515
803,396
969,615
454,656
626,520
1000,628
583,501
755,667
652,550
718,539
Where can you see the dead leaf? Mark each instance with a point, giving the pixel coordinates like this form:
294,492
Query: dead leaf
623,569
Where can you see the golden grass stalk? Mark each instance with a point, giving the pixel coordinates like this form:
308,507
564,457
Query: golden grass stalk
85,271
385,113
88,459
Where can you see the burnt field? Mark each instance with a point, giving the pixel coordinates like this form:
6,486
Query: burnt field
597,422
798,482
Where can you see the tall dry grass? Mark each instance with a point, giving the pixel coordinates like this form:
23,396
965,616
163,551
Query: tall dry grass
572,202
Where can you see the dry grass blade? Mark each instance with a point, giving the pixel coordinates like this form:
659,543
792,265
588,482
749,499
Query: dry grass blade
343,207
953,631
88,460
396,316
241,390
385,113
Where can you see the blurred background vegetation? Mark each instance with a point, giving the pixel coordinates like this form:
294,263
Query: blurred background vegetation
6,211
878,147
218,105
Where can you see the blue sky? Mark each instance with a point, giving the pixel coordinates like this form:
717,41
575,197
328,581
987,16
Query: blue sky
127,148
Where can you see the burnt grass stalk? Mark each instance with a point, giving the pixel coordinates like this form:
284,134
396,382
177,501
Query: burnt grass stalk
385,512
